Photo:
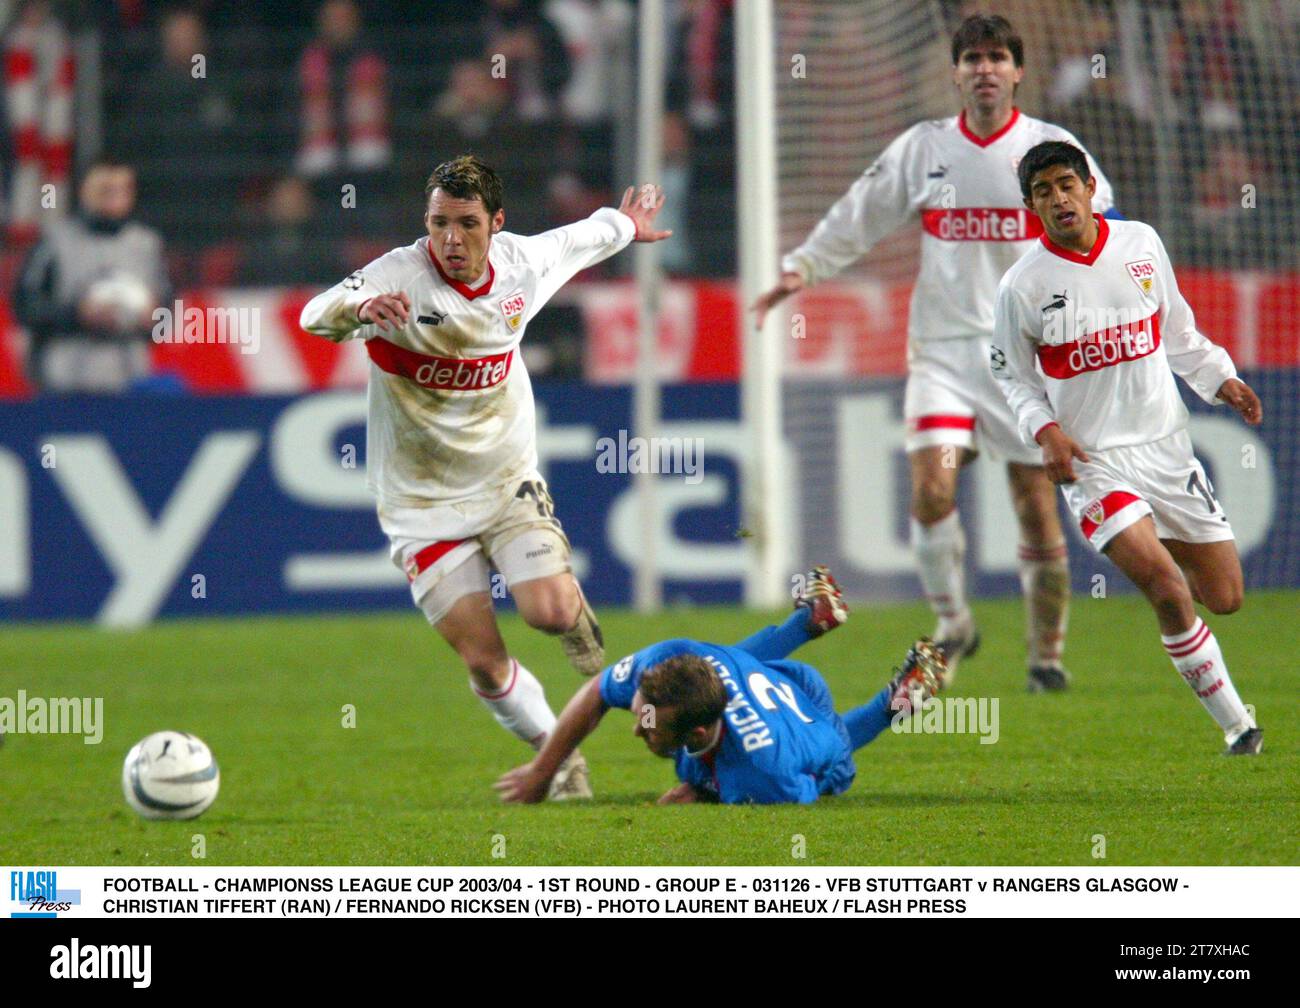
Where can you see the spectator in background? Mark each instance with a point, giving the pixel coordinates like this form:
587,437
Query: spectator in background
521,40
676,184
1090,35
345,113
39,72
178,120
476,113
1119,138
701,81
287,248
87,292
1228,228
592,31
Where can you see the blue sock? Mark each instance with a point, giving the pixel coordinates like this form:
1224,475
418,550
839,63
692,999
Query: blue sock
775,642
866,722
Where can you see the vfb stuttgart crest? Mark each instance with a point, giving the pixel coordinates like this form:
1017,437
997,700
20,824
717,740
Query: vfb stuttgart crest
1143,272
1095,512
513,309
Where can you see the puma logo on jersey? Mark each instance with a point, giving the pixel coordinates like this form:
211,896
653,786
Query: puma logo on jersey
437,318
939,172
1058,302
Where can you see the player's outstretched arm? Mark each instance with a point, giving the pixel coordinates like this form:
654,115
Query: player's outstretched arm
642,207
790,283
528,783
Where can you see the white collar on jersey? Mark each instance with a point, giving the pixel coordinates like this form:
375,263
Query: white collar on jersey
717,737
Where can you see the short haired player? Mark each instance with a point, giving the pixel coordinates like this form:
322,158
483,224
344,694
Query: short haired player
450,433
742,723
1090,331
956,176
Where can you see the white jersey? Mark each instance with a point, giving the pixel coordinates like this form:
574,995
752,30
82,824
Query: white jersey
450,412
974,222
1088,341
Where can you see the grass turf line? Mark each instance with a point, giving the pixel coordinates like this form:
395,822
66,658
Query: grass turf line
1127,754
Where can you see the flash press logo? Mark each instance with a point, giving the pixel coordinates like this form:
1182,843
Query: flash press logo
75,961
37,894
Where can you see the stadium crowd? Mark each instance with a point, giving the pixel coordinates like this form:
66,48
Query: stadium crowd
280,144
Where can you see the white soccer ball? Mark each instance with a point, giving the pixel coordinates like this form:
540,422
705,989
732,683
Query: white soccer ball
170,775
125,296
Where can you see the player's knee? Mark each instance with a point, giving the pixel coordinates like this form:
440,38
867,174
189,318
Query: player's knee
1039,525
1223,600
1167,590
932,500
551,612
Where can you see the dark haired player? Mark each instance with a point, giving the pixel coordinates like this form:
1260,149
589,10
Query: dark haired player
1090,331
957,175
741,723
451,448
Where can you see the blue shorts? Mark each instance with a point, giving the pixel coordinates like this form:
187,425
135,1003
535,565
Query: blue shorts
838,778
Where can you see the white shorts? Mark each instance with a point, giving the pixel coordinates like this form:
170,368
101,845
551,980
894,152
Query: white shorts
952,398
1163,479
520,536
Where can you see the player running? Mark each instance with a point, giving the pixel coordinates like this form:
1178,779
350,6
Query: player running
957,175
1096,307
742,723
451,448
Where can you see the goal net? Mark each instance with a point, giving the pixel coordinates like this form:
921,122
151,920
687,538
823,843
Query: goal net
1189,107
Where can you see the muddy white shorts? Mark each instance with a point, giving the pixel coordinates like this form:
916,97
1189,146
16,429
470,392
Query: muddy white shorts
953,398
1120,486
513,530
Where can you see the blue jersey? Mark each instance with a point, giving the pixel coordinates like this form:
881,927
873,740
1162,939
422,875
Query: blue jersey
781,738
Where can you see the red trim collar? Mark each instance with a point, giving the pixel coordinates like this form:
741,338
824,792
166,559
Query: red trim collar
461,288
992,138
1103,232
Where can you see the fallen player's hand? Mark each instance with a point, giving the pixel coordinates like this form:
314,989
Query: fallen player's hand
522,784
385,311
1059,451
791,283
642,207
1241,397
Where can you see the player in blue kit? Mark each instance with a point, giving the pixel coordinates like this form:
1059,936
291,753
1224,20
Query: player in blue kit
742,723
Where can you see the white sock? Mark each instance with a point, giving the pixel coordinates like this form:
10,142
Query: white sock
941,561
520,706
1196,655
1045,581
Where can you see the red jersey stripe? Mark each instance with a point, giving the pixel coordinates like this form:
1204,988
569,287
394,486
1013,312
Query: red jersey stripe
943,420
1111,504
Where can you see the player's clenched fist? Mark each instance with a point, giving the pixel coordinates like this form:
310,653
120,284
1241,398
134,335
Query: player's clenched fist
1241,397
388,311
1059,452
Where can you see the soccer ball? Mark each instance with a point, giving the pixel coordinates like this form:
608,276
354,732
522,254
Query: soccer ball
124,296
170,775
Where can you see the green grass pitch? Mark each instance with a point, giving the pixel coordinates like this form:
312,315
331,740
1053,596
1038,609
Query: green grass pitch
1127,754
